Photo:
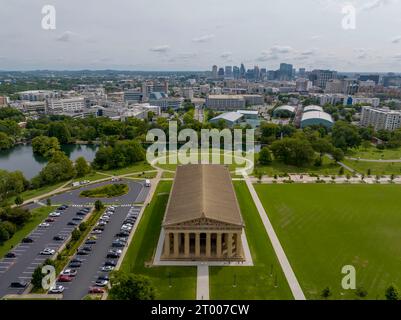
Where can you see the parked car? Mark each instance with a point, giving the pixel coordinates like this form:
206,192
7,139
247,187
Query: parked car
18,284
58,238
147,183
57,289
111,263
77,219
44,225
55,214
90,241
65,279
123,233
77,260
11,255
47,252
96,290
87,248
72,223
104,277
119,251
101,283
27,240
113,255
50,220
118,244
107,268
69,272
97,231
62,207
74,265
81,213
82,253
86,209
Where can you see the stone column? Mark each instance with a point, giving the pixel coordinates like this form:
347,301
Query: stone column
229,245
197,244
167,244
208,245
218,245
186,244
239,244
176,247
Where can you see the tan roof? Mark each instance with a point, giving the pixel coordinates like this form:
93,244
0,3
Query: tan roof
202,191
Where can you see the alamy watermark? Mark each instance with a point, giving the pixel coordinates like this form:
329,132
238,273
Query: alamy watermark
238,147
49,17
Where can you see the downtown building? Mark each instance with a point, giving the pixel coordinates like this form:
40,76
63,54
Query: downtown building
380,118
67,105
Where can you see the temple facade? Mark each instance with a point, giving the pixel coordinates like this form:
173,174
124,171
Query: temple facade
202,220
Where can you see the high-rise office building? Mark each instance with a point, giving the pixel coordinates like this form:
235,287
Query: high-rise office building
214,72
236,72
286,72
320,78
228,73
220,73
256,72
242,71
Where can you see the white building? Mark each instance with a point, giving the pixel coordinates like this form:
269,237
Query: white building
38,95
225,102
70,105
380,118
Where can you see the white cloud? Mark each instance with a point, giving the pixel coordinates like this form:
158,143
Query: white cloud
160,49
226,55
66,36
204,38
396,40
374,4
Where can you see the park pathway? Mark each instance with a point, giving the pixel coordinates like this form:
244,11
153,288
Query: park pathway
278,249
202,283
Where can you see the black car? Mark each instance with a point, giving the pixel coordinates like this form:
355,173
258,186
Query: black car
90,242
82,253
113,255
74,265
63,207
27,240
77,260
77,219
86,210
18,284
118,244
122,234
11,255
104,277
80,213
58,238
87,249
72,223
111,263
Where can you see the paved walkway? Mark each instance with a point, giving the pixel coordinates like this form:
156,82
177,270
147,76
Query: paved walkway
374,160
282,258
202,283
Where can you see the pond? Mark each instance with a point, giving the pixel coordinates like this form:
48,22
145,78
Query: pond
22,158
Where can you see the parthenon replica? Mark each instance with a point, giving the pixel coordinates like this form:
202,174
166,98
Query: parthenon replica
203,219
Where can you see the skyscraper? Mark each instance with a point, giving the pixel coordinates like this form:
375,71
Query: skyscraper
214,72
286,71
236,72
242,71
220,73
228,72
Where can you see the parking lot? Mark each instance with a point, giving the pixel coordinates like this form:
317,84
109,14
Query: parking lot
28,256
90,270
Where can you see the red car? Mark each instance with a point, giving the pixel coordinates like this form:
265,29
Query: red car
50,220
96,290
65,279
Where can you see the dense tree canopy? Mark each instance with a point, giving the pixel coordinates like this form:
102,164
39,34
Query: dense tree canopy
131,287
293,151
45,146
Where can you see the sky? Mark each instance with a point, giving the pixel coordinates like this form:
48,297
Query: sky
162,35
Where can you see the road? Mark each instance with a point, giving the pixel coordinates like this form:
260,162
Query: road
28,258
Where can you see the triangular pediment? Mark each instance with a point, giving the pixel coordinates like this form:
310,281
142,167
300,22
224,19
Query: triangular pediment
204,222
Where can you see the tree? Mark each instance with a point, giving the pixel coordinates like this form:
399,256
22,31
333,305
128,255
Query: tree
45,146
293,151
60,131
48,202
99,205
326,293
265,156
131,287
6,142
4,235
392,293
338,154
82,167
37,277
19,200
345,135
366,145
76,234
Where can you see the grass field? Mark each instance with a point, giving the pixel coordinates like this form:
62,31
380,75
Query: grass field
175,283
325,227
376,168
257,282
38,215
278,168
91,177
375,154
107,191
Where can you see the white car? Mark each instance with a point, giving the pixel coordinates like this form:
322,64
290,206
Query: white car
44,225
55,214
57,289
101,283
107,268
69,272
147,183
97,231
48,252
118,251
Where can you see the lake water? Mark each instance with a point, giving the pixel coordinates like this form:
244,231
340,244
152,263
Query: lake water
22,158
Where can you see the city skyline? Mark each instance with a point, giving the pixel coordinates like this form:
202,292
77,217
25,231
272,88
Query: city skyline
135,36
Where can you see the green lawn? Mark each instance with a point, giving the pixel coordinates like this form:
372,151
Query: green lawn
176,283
137,167
257,282
38,215
376,168
107,191
278,168
92,177
29,194
325,227
375,154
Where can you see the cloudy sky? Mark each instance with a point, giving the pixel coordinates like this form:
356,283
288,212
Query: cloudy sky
195,34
